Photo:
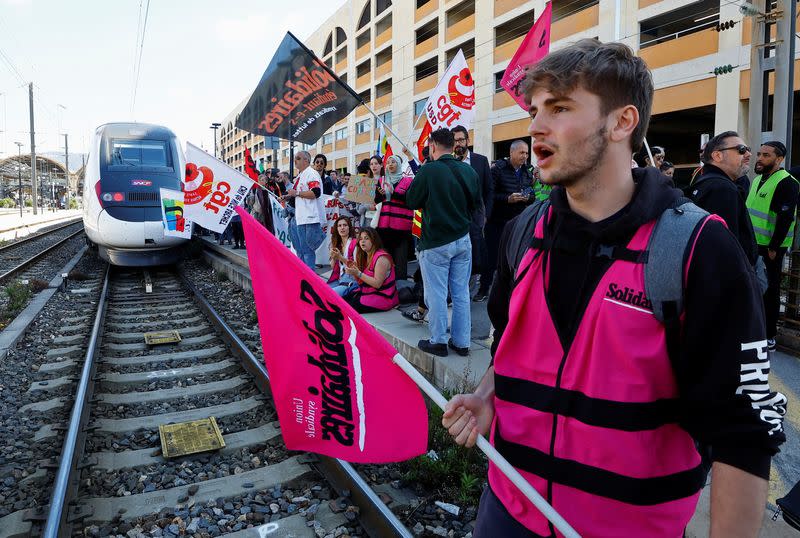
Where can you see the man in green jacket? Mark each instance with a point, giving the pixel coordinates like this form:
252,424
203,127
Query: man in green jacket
447,190
772,204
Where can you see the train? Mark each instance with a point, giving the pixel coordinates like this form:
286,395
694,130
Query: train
128,164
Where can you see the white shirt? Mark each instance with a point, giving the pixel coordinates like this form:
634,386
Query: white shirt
345,250
468,158
308,211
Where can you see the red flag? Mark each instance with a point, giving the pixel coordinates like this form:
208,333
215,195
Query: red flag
335,386
534,47
423,139
250,165
388,154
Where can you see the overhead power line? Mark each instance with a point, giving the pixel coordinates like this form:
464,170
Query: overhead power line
139,60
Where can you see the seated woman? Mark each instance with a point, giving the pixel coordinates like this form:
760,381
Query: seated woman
343,246
374,270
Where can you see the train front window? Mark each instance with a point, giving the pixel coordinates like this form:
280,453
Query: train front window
140,153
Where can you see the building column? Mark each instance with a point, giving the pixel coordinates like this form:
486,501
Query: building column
727,98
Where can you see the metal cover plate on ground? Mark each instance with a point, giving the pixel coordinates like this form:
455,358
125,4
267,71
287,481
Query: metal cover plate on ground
162,337
190,437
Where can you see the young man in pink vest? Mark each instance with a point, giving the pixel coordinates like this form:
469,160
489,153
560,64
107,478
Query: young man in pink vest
597,401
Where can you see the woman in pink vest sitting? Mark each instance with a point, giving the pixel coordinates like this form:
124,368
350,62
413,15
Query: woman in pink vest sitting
374,271
343,247
394,223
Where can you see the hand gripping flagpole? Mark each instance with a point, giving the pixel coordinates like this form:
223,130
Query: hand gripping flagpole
492,453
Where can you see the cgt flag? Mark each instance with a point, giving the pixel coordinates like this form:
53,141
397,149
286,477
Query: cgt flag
451,103
211,190
534,47
298,97
335,386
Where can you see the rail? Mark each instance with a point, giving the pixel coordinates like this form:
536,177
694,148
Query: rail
375,516
35,236
38,256
70,454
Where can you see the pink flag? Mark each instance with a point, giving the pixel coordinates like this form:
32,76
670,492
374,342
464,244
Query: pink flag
534,47
335,386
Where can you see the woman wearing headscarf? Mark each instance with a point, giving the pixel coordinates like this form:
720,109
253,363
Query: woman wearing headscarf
394,222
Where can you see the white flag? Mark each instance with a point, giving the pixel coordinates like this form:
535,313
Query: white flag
212,190
452,101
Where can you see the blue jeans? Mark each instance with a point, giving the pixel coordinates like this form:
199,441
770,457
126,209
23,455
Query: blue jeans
442,267
344,286
309,238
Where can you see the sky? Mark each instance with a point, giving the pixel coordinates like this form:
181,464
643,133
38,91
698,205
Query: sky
199,59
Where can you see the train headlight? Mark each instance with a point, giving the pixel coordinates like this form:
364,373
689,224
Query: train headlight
107,196
118,197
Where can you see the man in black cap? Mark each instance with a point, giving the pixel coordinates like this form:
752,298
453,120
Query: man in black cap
772,204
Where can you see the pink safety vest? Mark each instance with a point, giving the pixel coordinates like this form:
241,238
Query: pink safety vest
385,297
395,214
593,427
336,270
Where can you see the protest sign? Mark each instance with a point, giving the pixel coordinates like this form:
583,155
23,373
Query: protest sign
172,214
278,222
361,190
533,48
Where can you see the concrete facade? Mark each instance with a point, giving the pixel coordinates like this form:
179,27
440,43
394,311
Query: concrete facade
682,62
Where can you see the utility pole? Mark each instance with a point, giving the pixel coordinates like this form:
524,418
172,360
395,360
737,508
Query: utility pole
763,64
34,179
774,58
19,175
214,127
66,165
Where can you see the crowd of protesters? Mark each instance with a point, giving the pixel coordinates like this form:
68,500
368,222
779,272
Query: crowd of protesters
649,393
759,214
547,247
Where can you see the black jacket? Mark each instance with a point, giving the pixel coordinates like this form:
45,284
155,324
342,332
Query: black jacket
504,183
480,164
722,329
715,192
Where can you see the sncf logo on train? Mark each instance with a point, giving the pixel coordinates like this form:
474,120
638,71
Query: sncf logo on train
141,183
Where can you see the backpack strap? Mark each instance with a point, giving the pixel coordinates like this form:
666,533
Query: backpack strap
522,235
669,249
668,252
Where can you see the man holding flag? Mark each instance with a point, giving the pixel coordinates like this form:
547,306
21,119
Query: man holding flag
597,401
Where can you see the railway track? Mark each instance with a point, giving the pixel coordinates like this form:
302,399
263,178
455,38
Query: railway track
112,478
23,255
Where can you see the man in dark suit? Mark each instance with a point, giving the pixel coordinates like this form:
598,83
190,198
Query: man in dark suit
480,164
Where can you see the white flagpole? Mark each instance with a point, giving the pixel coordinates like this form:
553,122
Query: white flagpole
512,474
383,123
649,153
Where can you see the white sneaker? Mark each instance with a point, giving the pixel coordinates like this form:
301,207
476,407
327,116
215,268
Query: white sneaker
771,346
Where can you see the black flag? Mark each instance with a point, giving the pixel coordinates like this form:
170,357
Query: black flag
298,97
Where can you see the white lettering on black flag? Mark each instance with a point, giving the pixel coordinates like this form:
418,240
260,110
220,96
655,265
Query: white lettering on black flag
298,97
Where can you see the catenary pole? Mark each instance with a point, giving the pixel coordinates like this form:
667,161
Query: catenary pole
66,165
34,179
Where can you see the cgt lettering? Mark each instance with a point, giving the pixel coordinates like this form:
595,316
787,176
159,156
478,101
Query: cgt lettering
446,113
219,198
